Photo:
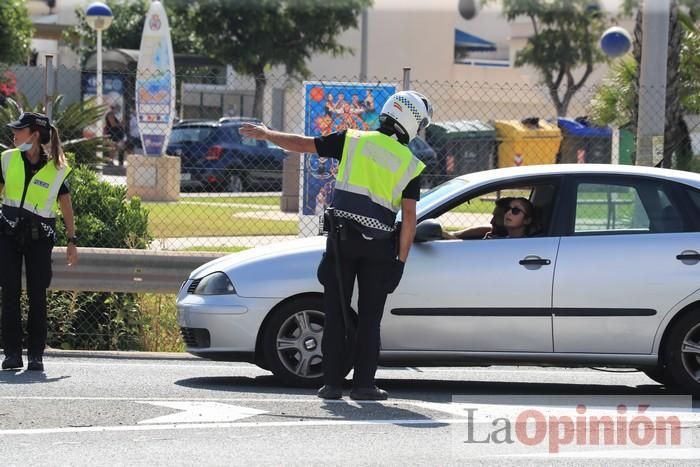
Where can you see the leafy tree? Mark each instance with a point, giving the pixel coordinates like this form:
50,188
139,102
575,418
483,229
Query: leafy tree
16,31
565,37
254,35
126,29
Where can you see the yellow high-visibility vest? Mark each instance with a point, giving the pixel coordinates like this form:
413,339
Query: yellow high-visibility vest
42,193
372,175
376,166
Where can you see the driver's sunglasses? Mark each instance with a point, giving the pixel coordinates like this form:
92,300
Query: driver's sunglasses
515,210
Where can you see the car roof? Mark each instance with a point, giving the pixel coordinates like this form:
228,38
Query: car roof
689,178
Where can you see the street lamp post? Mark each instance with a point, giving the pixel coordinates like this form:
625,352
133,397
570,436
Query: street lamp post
99,17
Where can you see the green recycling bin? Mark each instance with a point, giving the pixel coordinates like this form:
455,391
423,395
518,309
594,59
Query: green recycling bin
626,147
463,146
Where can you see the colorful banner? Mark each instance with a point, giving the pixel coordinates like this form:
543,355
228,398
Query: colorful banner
334,107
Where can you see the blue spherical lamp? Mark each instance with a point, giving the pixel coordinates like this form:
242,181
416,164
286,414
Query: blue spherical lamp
98,16
615,41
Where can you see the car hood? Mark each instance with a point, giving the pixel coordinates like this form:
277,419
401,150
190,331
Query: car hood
278,270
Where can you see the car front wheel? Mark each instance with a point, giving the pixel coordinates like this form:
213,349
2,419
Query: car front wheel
292,342
682,352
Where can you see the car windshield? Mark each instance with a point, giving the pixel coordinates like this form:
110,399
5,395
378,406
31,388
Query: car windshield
436,195
190,134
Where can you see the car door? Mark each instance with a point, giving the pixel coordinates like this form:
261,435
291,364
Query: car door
480,295
618,271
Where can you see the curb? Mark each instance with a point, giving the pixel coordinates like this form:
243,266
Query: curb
121,355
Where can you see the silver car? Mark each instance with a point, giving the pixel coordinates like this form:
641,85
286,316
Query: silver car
611,278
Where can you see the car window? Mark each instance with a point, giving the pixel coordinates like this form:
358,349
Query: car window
473,217
249,141
695,198
642,207
192,134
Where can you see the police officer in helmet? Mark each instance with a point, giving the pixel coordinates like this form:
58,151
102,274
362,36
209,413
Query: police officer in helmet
33,185
377,176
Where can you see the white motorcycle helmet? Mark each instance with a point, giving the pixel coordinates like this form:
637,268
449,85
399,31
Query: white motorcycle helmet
411,112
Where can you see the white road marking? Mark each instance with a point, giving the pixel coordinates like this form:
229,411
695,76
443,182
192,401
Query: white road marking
200,412
190,426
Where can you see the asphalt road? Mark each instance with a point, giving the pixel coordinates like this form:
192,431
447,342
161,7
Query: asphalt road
144,411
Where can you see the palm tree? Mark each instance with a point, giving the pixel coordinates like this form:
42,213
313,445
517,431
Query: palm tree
70,120
617,101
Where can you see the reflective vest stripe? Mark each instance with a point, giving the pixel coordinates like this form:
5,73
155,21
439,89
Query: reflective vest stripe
6,157
360,190
49,210
412,172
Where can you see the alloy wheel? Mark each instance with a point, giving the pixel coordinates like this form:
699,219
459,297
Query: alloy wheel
299,343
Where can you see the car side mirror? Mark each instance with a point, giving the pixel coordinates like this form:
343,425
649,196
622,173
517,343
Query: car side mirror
427,231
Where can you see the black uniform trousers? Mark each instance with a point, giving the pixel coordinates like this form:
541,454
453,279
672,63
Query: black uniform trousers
36,255
371,262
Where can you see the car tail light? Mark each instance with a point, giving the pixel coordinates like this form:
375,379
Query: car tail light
214,153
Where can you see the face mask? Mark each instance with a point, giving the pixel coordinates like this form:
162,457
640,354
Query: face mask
24,147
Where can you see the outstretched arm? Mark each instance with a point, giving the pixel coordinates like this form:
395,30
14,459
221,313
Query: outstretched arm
288,141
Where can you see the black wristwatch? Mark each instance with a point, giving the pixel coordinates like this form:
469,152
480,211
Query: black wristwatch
73,240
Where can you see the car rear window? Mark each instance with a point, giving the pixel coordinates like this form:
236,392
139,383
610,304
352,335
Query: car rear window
191,134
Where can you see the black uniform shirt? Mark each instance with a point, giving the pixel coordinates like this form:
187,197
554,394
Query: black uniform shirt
332,146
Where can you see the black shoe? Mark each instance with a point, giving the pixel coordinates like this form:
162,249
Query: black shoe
12,362
330,392
369,394
35,363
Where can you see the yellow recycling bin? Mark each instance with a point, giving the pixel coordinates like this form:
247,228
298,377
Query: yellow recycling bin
527,142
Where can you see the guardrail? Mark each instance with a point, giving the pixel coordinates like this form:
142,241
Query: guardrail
124,270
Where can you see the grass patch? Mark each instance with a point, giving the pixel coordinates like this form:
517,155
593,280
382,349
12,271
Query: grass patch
477,206
217,249
188,220
252,200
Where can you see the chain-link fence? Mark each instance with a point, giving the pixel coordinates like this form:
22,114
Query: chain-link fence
175,174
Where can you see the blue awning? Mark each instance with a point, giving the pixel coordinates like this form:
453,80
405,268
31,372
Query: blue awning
472,43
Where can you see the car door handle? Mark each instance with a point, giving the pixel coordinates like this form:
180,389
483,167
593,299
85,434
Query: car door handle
688,256
534,261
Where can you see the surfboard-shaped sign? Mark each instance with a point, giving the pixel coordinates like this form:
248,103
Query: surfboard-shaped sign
155,82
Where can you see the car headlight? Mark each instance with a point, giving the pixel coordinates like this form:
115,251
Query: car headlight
216,283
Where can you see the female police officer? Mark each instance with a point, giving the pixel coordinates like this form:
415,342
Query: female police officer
377,176
33,184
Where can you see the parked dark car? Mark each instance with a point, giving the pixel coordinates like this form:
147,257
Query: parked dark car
423,151
213,155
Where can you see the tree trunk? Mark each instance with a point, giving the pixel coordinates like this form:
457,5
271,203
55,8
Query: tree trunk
258,101
560,107
674,114
673,136
637,52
